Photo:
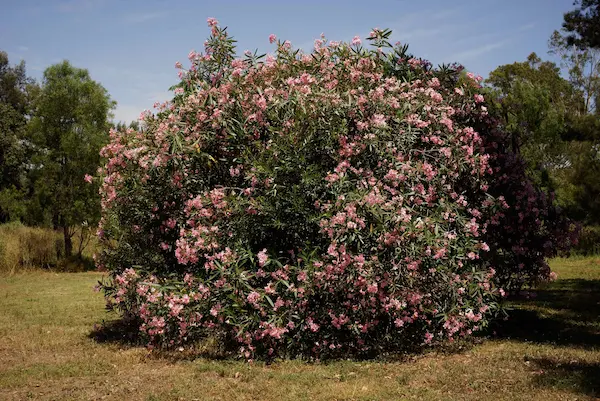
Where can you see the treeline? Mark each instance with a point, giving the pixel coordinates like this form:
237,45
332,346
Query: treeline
51,132
553,112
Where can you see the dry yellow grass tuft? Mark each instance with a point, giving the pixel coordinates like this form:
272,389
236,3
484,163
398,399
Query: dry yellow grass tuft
26,248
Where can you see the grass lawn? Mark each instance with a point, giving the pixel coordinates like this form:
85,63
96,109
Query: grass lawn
549,350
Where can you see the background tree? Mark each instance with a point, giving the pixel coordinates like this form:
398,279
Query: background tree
583,24
554,124
582,65
579,188
69,127
536,105
16,94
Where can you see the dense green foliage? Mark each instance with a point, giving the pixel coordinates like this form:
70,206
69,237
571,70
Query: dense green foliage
16,94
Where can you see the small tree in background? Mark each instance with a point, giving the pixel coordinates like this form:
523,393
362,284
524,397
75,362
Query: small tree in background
583,66
69,128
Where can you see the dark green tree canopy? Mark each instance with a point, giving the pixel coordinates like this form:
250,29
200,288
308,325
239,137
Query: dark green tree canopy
544,75
534,101
583,24
16,94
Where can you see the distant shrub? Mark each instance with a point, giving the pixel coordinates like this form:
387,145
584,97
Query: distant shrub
347,201
589,241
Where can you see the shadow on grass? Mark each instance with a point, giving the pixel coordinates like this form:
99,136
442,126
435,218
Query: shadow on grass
566,312
120,331
125,333
571,375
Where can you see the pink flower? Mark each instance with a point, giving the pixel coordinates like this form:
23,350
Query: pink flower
379,120
272,38
214,311
414,63
262,257
479,98
175,309
278,304
440,253
234,172
212,22
88,178
302,276
356,40
314,327
253,297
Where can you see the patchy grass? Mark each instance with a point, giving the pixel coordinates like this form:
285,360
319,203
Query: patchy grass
549,350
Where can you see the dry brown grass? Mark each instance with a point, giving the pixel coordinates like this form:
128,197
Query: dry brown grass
25,248
550,351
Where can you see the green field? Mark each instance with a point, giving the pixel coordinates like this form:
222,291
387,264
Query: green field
549,350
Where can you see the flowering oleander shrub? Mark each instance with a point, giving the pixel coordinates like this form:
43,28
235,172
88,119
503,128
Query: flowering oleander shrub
346,201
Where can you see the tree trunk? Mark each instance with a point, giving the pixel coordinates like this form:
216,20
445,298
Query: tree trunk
68,242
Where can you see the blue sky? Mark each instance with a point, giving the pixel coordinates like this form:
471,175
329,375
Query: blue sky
131,46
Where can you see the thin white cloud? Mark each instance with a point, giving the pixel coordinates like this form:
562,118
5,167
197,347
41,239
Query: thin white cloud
417,34
429,29
131,112
461,57
161,96
127,113
72,6
143,17
527,27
